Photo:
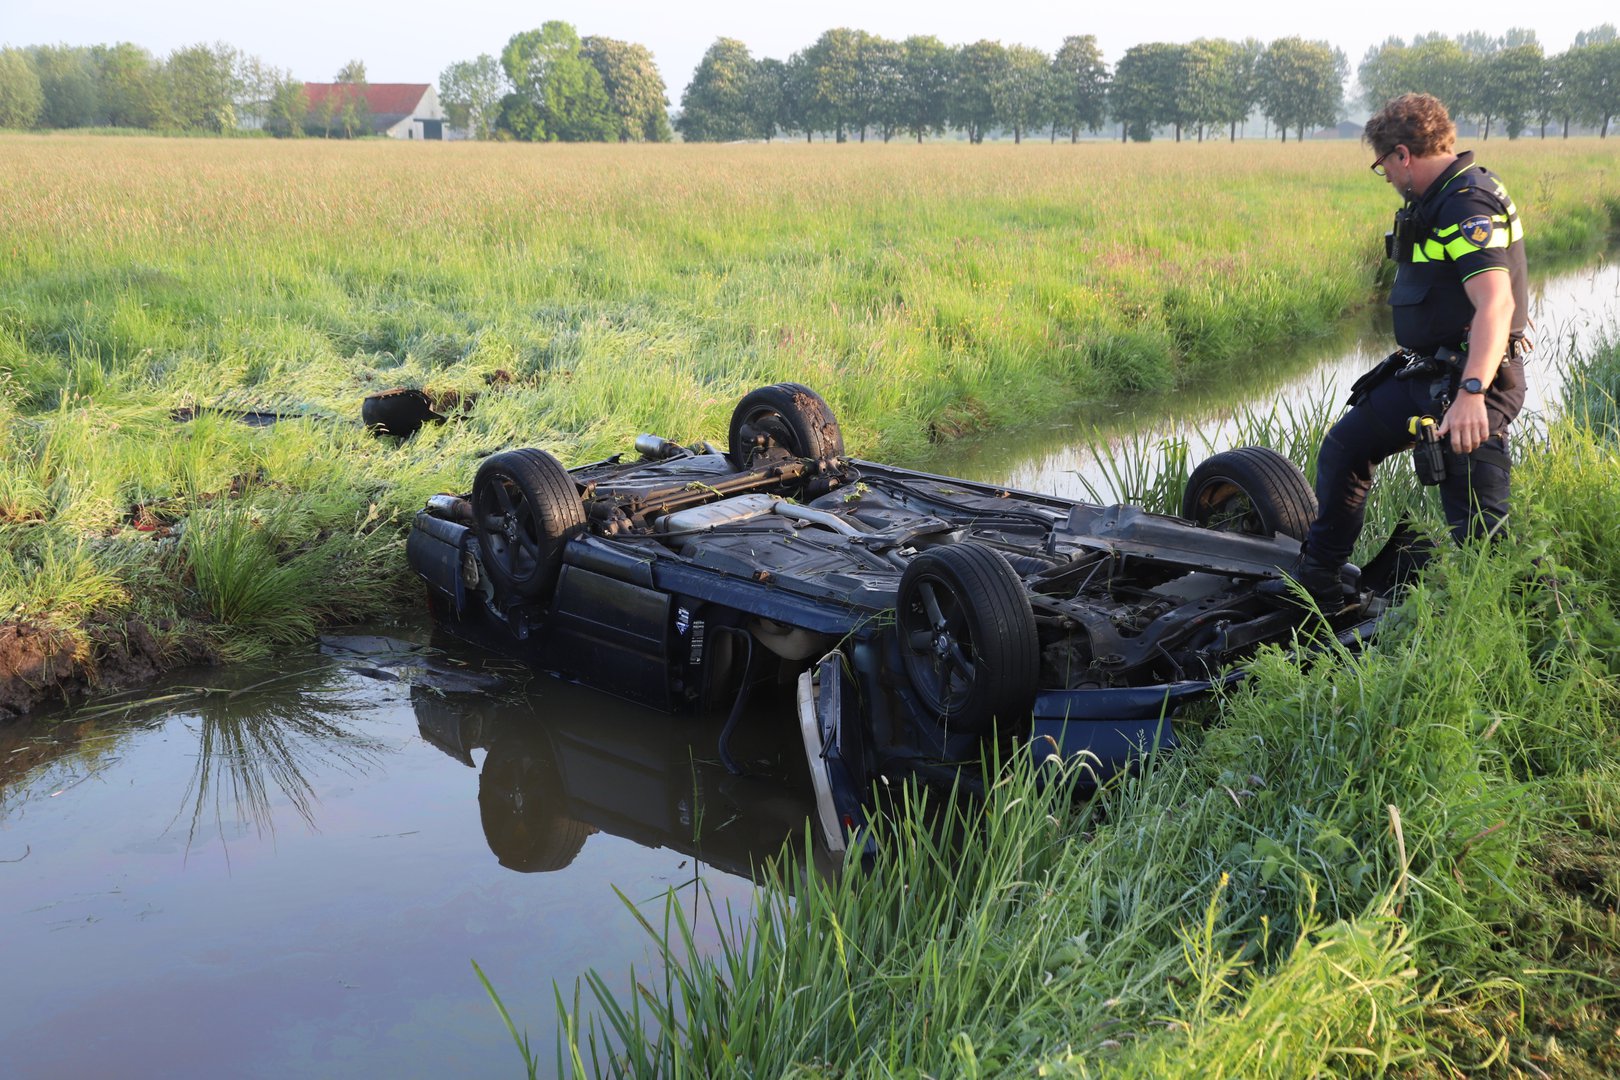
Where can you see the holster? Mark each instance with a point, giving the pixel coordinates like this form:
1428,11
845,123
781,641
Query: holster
1377,375
1507,377
1484,453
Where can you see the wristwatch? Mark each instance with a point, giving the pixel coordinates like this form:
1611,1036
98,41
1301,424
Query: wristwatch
1473,386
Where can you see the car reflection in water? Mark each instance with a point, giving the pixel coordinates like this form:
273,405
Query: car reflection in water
562,764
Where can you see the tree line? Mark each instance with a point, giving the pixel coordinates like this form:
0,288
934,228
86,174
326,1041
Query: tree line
550,84
1503,83
200,88
851,84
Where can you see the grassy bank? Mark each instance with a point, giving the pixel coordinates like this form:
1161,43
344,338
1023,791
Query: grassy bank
1405,861
570,297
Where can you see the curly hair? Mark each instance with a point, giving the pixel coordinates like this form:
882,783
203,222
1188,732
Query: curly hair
1418,122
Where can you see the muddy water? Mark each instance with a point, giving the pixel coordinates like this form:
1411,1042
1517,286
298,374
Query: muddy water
287,868
1569,311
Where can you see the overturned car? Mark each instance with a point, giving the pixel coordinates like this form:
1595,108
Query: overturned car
919,614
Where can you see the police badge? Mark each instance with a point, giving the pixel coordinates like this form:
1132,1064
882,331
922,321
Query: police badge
1477,230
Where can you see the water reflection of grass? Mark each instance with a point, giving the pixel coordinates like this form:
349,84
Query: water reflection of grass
260,737
1399,861
254,746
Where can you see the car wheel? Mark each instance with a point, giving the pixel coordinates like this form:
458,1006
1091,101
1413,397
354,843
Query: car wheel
789,415
523,809
967,637
525,508
1250,490
400,412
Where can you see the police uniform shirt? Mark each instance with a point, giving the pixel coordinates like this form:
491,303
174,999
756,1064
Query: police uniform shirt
1467,226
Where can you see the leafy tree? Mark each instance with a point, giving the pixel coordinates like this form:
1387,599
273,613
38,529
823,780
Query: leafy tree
471,92
1548,91
717,105
1566,73
976,68
1196,100
1595,83
351,109
1079,87
201,84
1478,43
880,86
1301,84
566,99
289,106
325,113
770,107
1601,34
925,86
1144,83
1231,88
253,82
634,88
1439,66
21,98
1382,73
519,118
67,82
1432,64
343,105
133,87
1021,92
1508,86
828,83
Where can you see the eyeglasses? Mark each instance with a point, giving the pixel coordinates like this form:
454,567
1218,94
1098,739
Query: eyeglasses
1378,166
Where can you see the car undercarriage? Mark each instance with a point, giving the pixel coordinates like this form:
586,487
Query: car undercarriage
921,615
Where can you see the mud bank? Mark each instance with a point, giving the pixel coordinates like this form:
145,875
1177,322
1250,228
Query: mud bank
41,666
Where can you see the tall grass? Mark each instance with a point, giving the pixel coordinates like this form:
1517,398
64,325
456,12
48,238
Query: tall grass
1400,860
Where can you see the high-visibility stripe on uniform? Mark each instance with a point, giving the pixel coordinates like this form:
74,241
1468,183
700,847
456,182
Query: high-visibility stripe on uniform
1462,245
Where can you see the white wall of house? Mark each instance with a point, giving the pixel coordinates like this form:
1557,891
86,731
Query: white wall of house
428,109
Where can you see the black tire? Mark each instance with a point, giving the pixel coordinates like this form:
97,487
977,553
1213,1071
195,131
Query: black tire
1250,490
523,811
401,412
789,415
525,508
967,638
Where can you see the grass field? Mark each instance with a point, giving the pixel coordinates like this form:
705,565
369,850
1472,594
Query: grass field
570,297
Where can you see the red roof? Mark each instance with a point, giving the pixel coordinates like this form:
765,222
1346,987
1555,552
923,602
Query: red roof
383,99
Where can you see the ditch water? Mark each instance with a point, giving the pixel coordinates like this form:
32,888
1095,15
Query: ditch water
288,868
1569,311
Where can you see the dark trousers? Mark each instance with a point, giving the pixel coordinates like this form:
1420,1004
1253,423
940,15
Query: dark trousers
1474,493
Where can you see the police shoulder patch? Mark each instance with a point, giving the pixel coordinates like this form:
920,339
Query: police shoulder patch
1477,229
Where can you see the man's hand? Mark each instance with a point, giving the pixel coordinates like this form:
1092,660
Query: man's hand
1492,296
1466,423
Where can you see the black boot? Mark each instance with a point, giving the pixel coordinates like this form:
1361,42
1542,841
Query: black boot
1323,583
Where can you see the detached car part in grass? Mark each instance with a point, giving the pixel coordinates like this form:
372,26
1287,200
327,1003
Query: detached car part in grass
920,614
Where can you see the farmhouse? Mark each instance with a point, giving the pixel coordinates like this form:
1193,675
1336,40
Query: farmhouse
398,110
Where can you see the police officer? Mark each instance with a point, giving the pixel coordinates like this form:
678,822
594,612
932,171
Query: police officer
1460,305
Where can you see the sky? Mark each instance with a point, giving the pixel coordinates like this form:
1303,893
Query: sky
413,40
